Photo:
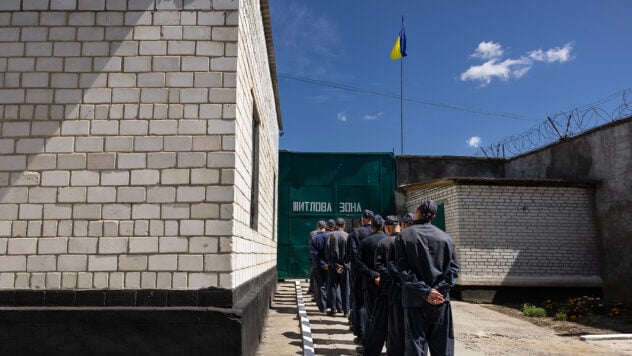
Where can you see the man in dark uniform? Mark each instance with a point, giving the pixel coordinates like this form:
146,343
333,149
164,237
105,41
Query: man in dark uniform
338,273
377,330
427,265
310,290
319,265
331,225
395,338
358,317
370,276
407,220
336,302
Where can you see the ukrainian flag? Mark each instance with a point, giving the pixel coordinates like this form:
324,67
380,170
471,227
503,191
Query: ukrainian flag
399,48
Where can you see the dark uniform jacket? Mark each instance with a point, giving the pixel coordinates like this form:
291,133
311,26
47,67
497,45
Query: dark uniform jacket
425,259
317,249
336,249
353,240
381,259
366,261
396,290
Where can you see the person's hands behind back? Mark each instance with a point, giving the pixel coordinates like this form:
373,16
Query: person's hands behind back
435,298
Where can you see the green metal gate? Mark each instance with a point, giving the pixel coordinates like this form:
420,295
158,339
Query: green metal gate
322,186
439,220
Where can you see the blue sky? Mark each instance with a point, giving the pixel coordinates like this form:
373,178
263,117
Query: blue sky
527,59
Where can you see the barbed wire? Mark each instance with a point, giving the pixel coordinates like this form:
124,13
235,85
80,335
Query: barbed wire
563,126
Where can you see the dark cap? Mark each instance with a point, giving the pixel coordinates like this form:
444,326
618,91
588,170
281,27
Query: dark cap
377,221
408,218
367,214
321,224
427,208
331,223
340,222
391,220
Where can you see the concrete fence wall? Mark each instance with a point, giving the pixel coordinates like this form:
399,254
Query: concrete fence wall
603,155
419,169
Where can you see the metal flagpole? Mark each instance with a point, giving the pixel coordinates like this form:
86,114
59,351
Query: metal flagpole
401,103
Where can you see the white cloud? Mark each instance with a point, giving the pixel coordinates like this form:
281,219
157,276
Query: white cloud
474,141
557,54
342,117
487,50
497,68
373,116
509,68
319,99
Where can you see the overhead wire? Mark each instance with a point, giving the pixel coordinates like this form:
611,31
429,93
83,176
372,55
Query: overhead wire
346,87
513,145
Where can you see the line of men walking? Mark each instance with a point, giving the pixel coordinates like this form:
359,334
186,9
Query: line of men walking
391,280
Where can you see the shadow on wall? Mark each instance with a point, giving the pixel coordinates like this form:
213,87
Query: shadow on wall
531,238
71,86
87,96
602,154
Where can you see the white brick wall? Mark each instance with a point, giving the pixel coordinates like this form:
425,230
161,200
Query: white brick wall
519,235
125,153
252,252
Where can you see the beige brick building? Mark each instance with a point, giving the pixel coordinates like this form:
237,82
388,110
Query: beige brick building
518,233
138,152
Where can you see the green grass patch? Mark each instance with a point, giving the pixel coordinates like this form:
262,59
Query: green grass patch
533,311
561,316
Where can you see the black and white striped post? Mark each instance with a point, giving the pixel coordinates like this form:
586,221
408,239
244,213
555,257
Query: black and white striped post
306,330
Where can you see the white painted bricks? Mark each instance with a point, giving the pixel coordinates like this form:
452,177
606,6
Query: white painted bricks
119,143
503,232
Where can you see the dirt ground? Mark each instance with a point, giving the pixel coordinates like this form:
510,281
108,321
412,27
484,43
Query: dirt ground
497,330
598,325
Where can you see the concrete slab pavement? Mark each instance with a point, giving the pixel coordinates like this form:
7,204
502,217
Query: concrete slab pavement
282,335
478,330
331,334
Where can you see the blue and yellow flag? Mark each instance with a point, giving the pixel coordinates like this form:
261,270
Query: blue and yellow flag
399,48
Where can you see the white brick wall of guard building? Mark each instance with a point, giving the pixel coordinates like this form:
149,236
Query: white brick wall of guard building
519,235
125,144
